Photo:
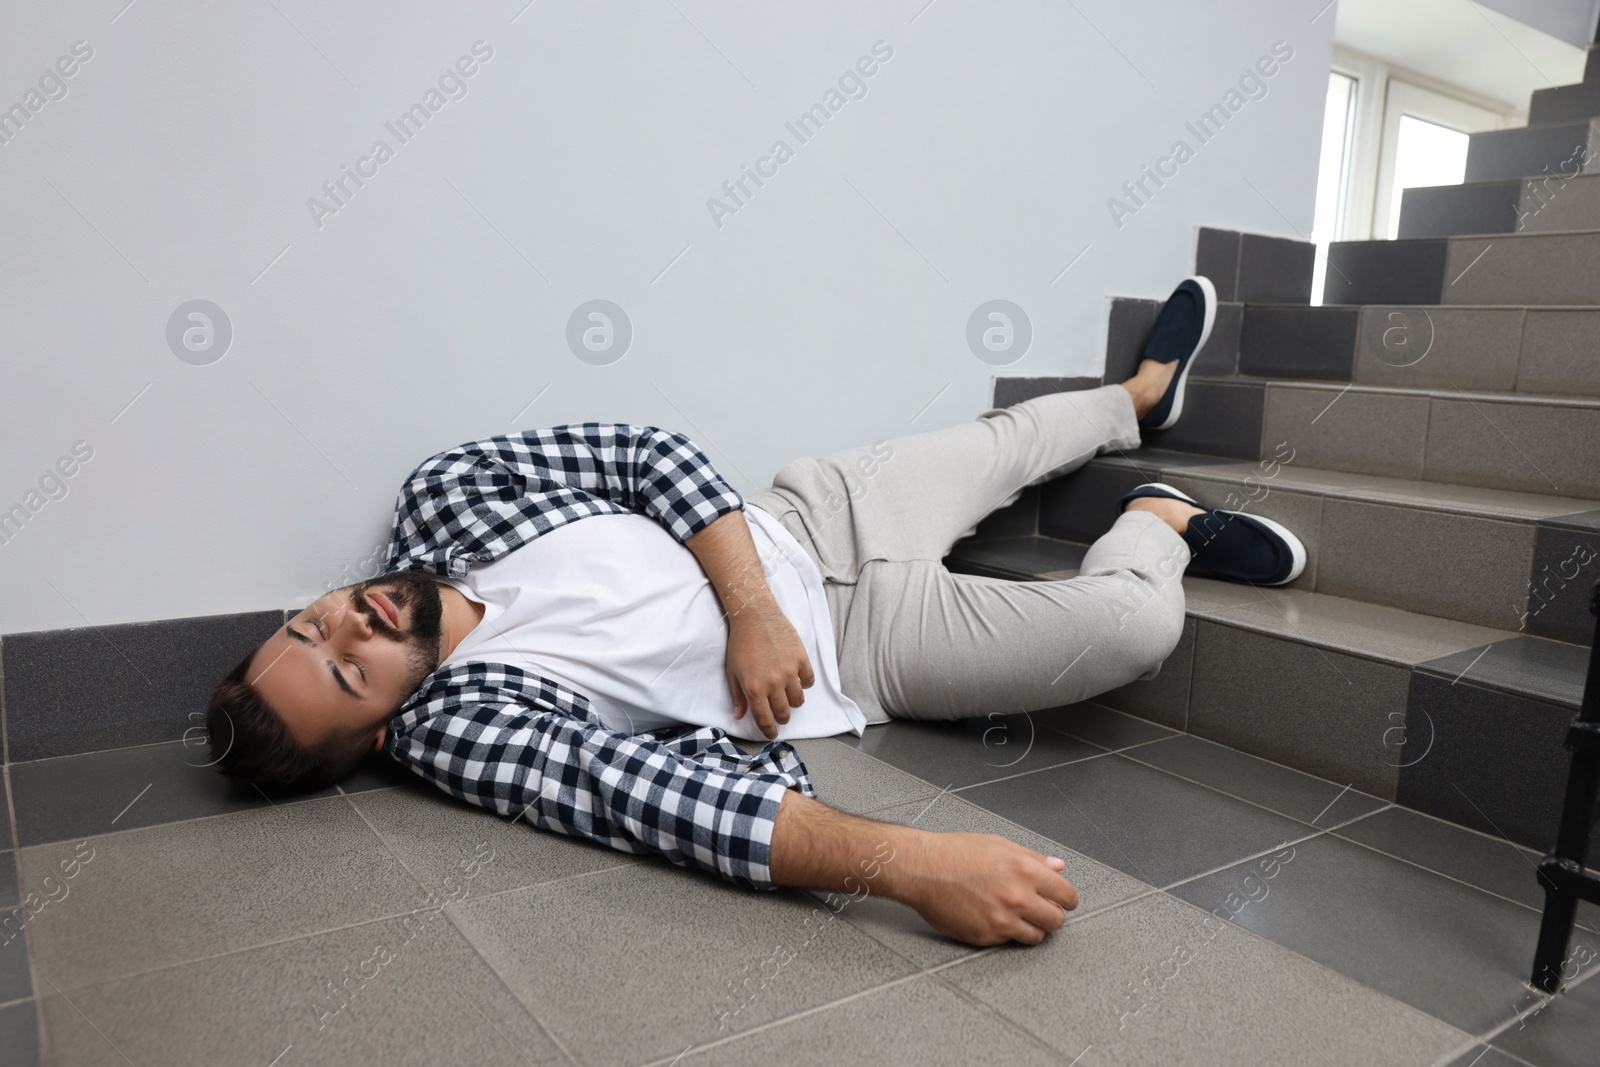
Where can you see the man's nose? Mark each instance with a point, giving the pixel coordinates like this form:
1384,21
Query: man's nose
353,624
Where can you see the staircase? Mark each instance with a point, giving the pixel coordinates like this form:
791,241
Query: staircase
1433,434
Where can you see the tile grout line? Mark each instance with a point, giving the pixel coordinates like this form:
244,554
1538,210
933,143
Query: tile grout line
1254,935
505,984
933,971
1262,807
1291,843
785,1020
16,862
390,917
557,1042
1441,874
1319,832
5,729
271,805
1068,763
98,751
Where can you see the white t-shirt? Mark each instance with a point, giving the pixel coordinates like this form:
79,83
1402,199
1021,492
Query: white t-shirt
612,606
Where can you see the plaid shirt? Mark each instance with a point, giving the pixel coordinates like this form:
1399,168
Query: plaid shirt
511,741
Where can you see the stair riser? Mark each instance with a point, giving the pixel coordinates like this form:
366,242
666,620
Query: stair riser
1549,204
1524,447
1402,734
1401,556
1564,103
1448,210
1528,152
1129,325
1554,202
1292,342
1254,267
1543,352
1566,564
1535,270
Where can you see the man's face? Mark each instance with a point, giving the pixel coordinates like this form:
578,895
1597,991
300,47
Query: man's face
352,657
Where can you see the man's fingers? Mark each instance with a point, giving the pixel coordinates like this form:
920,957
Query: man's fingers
1044,914
797,696
1056,888
778,701
807,679
763,716
1025,932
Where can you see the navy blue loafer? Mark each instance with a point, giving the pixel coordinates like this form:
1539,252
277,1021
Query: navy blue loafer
1233,545
1180,332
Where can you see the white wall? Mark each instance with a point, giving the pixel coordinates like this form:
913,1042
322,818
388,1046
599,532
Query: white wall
1572,21
432,308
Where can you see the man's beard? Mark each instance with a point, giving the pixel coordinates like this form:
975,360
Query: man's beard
418,591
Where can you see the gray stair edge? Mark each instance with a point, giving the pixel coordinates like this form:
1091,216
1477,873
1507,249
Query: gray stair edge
1476,395
1382,489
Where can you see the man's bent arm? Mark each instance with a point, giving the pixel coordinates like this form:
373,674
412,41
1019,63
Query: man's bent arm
768,669
977,888
480,500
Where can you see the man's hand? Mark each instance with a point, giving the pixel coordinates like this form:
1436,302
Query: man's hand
767,664
768,669
976,888
985,890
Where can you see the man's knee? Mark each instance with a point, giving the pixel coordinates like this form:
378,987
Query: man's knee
1150,624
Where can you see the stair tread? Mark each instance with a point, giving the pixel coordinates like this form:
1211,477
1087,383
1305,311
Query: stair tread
1488,396
1371,488
1533,235
1313,308
1544,669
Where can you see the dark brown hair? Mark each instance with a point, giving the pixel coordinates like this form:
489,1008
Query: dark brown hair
252,746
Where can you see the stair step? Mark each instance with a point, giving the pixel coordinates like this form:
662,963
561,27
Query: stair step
1488,439
1548,351
1400,705
1532,269
1564,103
1530,151
1548,204
1455,552
1468,208
1491,440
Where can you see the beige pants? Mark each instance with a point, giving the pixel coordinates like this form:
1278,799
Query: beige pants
916,641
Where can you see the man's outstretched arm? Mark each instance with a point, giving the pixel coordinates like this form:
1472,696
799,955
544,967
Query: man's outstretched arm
976,888
698,801
768,669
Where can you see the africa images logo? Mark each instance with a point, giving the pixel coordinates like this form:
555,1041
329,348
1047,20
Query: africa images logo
1252,85
452,85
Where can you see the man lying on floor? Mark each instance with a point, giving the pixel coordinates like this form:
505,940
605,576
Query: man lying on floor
542,645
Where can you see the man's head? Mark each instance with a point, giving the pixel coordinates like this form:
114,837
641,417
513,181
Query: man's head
302,709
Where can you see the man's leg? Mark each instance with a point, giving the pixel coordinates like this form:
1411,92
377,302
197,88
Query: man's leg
920,642
914,497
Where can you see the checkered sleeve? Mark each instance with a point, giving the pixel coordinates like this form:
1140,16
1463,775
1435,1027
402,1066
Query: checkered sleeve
486,498
695,799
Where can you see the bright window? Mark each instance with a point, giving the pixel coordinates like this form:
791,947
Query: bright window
1426,153
1333,173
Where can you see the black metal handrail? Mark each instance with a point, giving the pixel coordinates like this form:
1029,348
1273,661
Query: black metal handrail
1561,873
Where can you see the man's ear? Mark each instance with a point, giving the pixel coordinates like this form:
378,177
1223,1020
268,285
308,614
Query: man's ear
377,741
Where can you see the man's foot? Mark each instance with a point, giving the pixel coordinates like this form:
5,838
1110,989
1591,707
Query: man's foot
1170,510
1230,544
1181,330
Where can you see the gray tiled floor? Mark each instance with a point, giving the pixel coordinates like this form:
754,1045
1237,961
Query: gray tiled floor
388,923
